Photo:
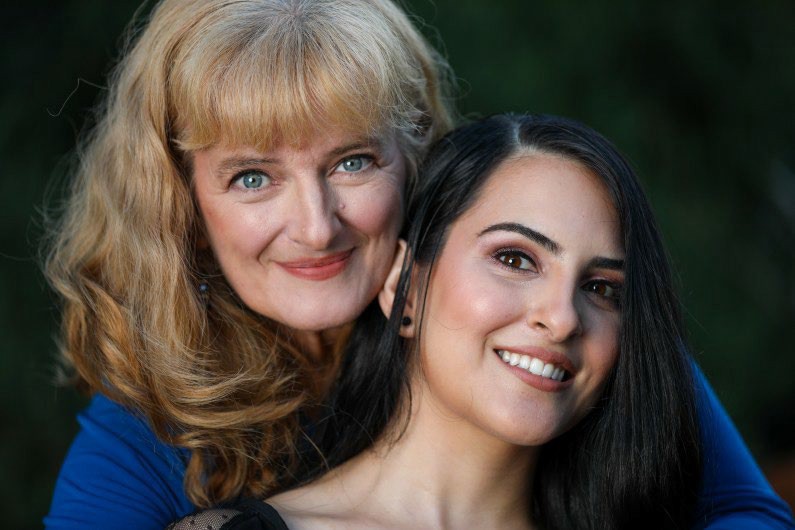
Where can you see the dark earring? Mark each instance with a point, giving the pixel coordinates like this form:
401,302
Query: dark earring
204,293
405,321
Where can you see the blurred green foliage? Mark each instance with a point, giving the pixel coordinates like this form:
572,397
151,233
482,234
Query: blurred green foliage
699,95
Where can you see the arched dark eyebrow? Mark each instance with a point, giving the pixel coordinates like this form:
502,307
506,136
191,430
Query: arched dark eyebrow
606,263
527,232
598,262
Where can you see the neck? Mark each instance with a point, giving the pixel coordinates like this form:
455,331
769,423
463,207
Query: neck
319,345
321,353
314,344
450,473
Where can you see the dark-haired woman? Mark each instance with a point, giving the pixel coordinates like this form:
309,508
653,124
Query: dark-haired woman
533,372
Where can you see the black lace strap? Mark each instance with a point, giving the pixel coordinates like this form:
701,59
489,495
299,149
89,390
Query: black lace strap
213,519
247,514
257,515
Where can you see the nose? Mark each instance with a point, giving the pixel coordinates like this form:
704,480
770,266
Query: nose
553,312
313,219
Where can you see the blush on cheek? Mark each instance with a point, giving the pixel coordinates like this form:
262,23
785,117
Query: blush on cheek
373,211
484,307
470,304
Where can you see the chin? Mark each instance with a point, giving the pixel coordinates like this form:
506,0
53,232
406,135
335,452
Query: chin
327,315
534,436
317,321
531,429
314,315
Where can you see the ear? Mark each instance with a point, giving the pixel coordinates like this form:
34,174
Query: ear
387,295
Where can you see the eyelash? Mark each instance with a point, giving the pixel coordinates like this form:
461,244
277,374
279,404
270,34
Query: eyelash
242,174
504,252
368,162
498,256
614,300
367,159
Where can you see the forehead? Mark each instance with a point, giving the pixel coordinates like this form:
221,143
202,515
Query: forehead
553,195
315,145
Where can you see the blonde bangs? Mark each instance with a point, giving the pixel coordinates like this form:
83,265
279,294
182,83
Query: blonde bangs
286,78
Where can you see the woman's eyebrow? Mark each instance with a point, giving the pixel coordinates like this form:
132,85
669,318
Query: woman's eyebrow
364,143
606,263
236,163
527,232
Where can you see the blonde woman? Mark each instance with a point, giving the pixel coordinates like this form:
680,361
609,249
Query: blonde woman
235,209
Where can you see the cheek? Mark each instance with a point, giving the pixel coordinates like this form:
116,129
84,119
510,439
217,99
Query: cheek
215,222
608,341
602,350
375,210
236,232
465,299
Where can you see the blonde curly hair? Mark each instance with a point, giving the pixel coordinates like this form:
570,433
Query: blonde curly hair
218,379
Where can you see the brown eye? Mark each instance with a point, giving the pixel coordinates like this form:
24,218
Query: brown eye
604,289
515,260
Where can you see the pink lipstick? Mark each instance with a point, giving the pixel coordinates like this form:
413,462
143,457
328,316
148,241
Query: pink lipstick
317,269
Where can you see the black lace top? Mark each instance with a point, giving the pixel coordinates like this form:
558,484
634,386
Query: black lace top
250,514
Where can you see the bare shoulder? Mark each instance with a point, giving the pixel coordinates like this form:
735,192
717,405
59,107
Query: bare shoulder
329,503
348,497
309,507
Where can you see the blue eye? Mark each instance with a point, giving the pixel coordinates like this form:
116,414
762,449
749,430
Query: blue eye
354,164
253,180
515,259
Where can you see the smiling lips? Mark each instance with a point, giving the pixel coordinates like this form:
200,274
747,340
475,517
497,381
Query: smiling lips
318,269
542,369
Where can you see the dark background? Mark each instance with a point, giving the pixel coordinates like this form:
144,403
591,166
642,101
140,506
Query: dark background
699,95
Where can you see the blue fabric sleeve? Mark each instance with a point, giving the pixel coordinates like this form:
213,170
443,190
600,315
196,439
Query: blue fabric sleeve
734,493
117,474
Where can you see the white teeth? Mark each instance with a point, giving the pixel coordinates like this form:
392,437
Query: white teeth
536,366
547,371
533,365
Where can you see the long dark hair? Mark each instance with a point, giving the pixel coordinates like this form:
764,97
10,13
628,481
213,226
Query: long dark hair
635,460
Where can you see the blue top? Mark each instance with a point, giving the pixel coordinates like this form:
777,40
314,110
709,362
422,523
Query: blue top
117,474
